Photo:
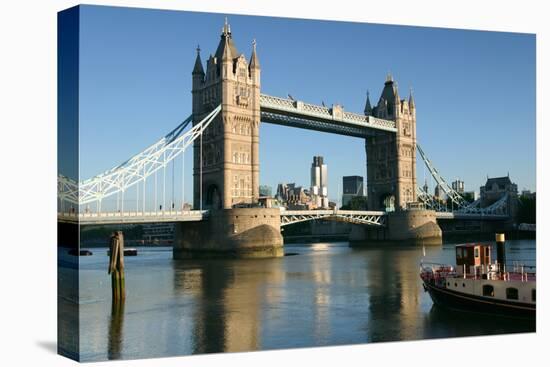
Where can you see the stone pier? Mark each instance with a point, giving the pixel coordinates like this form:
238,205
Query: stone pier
238,232
403,227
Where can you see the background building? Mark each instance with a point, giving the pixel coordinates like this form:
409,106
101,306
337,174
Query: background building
319,183
438,192
158,233
458,186
265,190
496,188
352,187
473,195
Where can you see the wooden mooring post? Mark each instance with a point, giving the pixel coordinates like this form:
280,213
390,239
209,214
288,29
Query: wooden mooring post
116,266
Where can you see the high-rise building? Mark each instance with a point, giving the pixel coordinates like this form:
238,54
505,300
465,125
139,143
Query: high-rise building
319,182
458,186
352,187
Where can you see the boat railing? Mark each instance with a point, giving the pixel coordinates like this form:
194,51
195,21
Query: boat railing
518,271
436,270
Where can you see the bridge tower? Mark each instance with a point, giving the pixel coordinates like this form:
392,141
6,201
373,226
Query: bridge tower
391,158
230,161
229,174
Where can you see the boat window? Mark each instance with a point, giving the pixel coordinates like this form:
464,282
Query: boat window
476,252
511,293
459,253
486,251
488,290
533,295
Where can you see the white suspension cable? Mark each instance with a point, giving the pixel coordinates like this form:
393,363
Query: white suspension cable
128,174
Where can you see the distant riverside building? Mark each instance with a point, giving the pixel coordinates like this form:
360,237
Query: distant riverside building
265,190
458,186
438,192
473,194
425,188
528,194
319,183
293,197
352,187
496,188
158,232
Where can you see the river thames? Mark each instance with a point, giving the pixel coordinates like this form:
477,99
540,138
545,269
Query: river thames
320,294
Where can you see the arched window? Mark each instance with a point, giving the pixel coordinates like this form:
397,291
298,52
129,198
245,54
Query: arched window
488,290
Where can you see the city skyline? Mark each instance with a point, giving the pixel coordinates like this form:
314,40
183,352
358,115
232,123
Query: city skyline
136,77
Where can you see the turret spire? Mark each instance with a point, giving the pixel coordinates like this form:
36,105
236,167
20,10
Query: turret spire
368,107
226,54
226,48
254,62
226,29
198,70
411,99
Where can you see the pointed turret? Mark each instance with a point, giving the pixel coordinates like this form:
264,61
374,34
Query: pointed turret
254,62
198,70
397,100
368,107
411,100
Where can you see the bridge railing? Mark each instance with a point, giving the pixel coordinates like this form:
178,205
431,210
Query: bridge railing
133,217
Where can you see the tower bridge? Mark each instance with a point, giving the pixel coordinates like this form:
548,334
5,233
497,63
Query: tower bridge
224,132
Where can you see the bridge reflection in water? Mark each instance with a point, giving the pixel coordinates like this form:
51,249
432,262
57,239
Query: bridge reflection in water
328,294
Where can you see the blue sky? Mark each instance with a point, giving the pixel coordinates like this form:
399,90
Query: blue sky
474,90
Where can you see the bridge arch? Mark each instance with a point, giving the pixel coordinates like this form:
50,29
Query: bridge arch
213,199
387,201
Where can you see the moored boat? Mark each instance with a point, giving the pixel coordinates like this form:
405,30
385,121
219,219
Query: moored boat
477,284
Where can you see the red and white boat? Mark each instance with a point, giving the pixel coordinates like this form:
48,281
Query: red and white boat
477,284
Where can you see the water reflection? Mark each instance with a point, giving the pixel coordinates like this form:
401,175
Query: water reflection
383,277
328,294
116,325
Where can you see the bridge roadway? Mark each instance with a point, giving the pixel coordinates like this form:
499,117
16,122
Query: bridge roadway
374,218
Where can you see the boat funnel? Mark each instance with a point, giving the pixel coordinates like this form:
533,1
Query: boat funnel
501,252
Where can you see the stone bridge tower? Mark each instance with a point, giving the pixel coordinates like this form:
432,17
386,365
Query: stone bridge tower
391,158
230,161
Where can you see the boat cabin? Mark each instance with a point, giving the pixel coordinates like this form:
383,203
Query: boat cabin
472,255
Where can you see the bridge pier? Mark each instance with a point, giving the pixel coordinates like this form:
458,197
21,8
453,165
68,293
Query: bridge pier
237,232
403,227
